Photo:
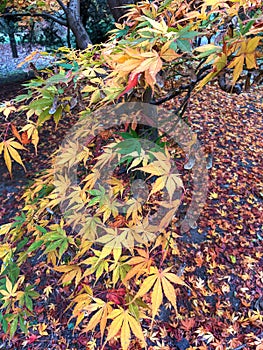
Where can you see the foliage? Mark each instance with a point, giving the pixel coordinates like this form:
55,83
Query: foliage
155,50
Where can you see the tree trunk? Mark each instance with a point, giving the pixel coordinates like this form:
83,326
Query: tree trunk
11,34
76,25
13,44
116,9
8,28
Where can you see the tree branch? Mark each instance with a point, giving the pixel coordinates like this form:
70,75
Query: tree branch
200,74
29,14
63,6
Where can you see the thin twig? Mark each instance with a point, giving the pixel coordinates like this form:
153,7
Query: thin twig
29,14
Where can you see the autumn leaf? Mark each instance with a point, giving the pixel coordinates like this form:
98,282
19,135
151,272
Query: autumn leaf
113,241
132,82
103,309
24,138
91,179
247,54
160,281
31,134
172,207
188,324
140,264
42,329
125,323
133,62
15,132
10,148
47,290
109,207
71,272
7,109
213,195
134,209
166,178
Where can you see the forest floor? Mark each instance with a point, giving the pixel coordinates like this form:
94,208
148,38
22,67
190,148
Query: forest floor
222,257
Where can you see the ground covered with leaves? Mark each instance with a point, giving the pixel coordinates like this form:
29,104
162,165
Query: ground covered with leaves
221,259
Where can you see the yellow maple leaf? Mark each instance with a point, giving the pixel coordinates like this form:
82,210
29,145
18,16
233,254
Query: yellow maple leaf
103,309
10,152
91,179
124,322
134,209
117,185
47,290
162,168
160,281
140,264
42,329
246,54
213,195
70,272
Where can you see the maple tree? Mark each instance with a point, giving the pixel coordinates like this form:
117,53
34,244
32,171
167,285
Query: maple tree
153,56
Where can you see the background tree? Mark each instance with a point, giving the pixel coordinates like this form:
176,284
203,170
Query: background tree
73,14
8,26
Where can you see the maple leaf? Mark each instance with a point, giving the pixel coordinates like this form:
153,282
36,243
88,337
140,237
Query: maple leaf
84,155
220,61
135,62
113,242
31,339
10,148
6,250
119,270
159,27
70,272
108,208
42,329
126,323
162,168
160,281
15,132
140,264
132,82
24,138
91,179
247,53
167,218
188,324
10,292
134,209
68,154
142,232
139,157
213,195
47,290
107,156
117,185
82,301
103,309
97,264
118,221
167,53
